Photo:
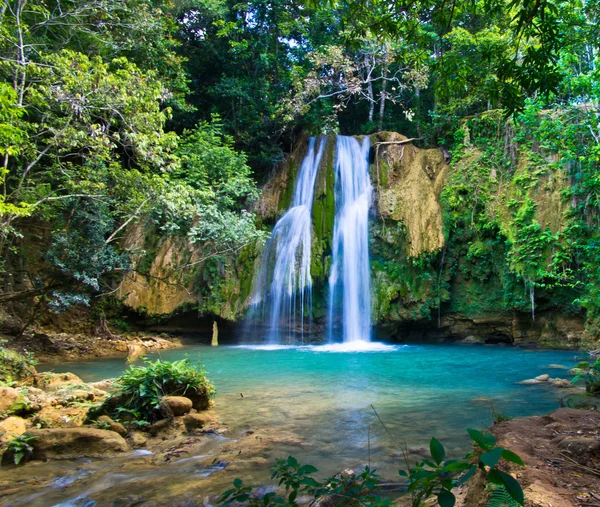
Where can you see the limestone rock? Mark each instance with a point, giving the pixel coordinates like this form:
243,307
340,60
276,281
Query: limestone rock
113,425
56,416
11,428
137,439
159,426
543,495
543,378
561,383
178,405
70,443
103,385
8,397
195,421
557,367
530,381
54,381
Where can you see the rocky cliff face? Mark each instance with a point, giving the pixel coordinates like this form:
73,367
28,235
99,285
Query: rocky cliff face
427,281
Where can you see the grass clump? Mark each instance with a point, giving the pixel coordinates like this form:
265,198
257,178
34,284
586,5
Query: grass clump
14,366
141,389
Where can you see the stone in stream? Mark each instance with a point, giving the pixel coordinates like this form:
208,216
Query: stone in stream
178,405
543,378
8,398
557,367
71,443
113,425
11,428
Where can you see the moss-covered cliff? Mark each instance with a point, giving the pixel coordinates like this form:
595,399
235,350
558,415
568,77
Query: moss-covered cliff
463,244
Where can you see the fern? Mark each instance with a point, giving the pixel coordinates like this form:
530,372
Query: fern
501,498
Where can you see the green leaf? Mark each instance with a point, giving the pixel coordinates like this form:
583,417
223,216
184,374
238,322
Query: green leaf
509,482
492,457
238,483
446,499
18,457
486,442
437,450
512,457
307,469
402,473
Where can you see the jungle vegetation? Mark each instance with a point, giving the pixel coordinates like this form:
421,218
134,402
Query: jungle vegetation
176,111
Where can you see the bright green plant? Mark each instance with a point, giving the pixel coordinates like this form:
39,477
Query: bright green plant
297,480
15,366
143,387
437,477
428,479
20,448
590,374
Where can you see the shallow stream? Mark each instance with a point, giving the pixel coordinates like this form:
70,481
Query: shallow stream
322,402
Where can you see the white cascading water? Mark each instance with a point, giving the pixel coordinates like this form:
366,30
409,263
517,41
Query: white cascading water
350,276
285,292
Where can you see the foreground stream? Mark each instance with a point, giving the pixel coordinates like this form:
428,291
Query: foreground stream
314,403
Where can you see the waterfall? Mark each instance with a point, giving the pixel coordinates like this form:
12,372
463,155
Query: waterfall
350,276
284,293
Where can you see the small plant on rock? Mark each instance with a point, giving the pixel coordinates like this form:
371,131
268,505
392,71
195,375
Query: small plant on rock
15,366
141,388
19,449
590,374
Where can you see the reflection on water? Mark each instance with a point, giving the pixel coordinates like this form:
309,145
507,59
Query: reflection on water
318,405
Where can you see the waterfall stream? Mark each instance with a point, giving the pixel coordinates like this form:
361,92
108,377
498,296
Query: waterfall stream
283,286
285,291
350,270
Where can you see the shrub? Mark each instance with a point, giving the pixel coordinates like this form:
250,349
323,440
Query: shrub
15,366
19,450
428,479
141,389
590,373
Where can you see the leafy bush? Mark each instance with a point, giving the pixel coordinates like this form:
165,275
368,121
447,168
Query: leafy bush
15,366
591,376
429,478
19,450
143,387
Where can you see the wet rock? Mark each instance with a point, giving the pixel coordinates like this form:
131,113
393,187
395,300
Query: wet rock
195,421
137,439
56,416
178,405
530,381
113,425
575,371
557,367
11,428
8,398
70,443
543,378
103,385
200,399
160,426
54,381
561,383
472,340
135,350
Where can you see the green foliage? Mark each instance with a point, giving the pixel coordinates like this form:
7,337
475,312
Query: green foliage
20,448
296,479
15,366
438,477
590,374
141,388
426,480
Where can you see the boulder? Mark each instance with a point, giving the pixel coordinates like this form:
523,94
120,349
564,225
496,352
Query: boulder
561,383
53,381
137,439
472,340
160,426
56,416
529,382
103,385
557,367
575,371
200,399
543,378
70,443
8,398
113,425
178,405
195,421
11,428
